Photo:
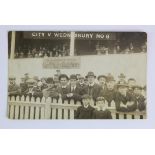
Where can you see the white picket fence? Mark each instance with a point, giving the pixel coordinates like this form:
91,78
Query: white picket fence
29,108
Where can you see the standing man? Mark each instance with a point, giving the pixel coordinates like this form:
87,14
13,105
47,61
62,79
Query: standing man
50,91
24,87
93,89
139,98
13,88
102,82
121,78
74,91
123,100
110,91
63,89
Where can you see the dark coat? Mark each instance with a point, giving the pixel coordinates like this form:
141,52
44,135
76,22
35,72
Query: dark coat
50,92
76,93
84,113
106,114
24,88
109,95
13,90
140,100
119,98
83,88
94,91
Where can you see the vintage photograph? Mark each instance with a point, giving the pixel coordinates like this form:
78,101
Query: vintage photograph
77,75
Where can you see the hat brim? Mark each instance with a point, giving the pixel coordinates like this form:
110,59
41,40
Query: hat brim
90,75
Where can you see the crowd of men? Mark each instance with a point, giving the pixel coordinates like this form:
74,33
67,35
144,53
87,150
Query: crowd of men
127,95
63,50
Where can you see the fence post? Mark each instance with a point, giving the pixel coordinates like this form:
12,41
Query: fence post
71,110
48,108
66,110
12,108
17,108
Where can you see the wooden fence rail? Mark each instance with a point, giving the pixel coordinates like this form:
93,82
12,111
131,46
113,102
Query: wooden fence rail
29,108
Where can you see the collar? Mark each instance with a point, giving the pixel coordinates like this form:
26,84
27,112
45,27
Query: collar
73,87
63,86
92,84
86,106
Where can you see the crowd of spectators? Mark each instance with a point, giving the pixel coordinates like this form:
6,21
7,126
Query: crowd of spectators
128,96
60,51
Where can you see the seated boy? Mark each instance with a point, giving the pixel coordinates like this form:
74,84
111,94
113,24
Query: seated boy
101,112
85,111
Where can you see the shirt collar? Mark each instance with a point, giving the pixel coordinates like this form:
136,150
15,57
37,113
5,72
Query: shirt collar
92,84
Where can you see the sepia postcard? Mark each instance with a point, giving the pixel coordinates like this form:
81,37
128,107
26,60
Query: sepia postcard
77,75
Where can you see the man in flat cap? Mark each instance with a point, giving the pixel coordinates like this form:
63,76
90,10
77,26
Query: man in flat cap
131,84
93,89
102,82
24,87
139,98
85,111
73,91
123,100
50,91
82,85
111,90
63,88
13,88
26,76
121,78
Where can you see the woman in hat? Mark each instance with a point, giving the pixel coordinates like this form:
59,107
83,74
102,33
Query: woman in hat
85,111
101,112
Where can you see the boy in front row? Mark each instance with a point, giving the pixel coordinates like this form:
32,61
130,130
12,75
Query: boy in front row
101,112
85,111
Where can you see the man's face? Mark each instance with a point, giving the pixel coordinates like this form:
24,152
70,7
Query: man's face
12,82
121,79
91,79
137,91
102,81
100,104
50,85
81,80
63,81
22,80
86,102
122,90
110,85
73,82
26,76
131,83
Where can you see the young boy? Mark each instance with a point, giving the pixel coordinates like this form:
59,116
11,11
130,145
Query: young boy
101,112
85,111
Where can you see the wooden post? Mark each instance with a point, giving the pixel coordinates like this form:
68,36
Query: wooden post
72,40
13,38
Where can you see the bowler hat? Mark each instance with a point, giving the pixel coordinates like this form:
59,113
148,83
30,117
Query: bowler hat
90,74
49,80
124,84
12,78
63,76
137,87
86,96
121,75
73,76
110,78
100,76
101,98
